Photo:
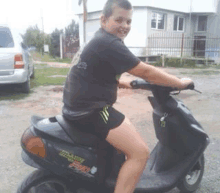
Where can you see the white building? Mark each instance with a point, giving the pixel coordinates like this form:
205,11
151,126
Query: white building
163,31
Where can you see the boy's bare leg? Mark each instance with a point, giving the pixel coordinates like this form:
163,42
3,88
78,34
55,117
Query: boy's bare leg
128,140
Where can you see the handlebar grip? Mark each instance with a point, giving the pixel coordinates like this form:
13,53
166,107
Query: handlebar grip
191,86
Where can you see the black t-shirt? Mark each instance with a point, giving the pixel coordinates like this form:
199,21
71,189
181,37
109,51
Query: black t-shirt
92,82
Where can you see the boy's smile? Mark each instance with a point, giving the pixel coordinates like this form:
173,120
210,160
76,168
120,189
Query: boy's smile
119,23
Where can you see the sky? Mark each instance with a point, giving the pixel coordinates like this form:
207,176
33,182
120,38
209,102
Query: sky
59,13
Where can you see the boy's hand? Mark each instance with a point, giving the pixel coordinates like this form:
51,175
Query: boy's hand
186,82
124,84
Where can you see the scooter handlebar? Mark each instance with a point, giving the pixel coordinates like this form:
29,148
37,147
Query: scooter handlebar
191,86
140,83
143,84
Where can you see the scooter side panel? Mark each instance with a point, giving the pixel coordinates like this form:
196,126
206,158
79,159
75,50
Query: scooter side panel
88,164
65,157
179,129
67,161
74,159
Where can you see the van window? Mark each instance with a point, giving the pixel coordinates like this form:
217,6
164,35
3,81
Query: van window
6,40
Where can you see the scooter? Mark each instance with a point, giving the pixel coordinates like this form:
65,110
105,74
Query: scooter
70,161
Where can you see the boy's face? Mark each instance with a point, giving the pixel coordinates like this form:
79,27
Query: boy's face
119,23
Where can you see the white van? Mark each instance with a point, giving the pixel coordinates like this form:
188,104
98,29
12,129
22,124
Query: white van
16,64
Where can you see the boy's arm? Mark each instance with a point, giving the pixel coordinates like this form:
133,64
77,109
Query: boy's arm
156,76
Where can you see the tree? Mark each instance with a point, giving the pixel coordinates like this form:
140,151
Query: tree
72,30
55,42
71,41
34,37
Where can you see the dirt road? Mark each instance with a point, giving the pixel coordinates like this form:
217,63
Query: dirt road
47,101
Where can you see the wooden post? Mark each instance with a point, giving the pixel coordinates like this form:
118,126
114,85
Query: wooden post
181,59
84,19
182,45
163,60
84,32
61,46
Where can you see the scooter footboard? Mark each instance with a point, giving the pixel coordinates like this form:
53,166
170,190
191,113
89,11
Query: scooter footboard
157,177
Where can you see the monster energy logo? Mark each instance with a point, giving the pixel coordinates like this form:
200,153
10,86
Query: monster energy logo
104,114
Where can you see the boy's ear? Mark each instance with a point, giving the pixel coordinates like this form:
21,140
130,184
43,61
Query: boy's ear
103,19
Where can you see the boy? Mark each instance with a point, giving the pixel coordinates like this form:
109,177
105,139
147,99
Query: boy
91,90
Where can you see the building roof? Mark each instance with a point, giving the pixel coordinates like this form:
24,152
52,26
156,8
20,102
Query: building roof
202,13
152,7
172,5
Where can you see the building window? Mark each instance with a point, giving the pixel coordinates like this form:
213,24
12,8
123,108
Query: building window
178,24
202,23
157,21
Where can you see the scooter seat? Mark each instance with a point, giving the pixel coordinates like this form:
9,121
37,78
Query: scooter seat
79,137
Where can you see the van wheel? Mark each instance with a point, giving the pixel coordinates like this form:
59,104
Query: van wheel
33,74
25,87
43,181
191,181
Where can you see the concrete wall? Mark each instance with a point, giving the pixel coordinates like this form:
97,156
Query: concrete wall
169,18
92,25
136,40
167,41
211,35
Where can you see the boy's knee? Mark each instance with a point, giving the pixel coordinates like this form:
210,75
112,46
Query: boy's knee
146,153
143,153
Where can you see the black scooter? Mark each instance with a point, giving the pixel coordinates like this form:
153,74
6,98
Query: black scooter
70,161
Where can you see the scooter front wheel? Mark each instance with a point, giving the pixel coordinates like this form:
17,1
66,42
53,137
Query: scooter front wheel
42,181
191,181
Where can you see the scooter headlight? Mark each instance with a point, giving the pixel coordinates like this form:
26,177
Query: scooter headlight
33,144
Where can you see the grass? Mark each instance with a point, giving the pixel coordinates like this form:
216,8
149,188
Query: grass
49,58
44,73
64,60
203,72
44,76
217,67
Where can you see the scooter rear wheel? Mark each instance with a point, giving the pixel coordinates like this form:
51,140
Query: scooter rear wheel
191,181
42,181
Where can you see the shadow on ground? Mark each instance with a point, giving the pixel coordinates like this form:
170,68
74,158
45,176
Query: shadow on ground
11,92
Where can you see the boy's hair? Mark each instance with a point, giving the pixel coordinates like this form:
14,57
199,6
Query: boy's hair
109,6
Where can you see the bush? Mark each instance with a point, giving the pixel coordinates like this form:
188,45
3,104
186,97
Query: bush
175,62
189,63
157,63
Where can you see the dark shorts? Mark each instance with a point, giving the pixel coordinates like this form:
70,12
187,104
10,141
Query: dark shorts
98,122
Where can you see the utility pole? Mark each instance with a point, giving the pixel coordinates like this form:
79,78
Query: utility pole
76,57
43,29
84,32
84,18
190,17
61,46
190,23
